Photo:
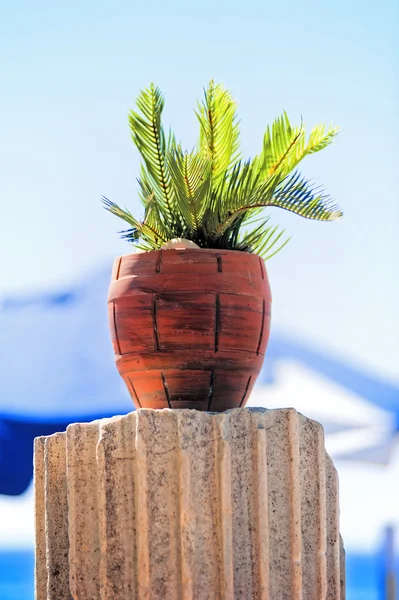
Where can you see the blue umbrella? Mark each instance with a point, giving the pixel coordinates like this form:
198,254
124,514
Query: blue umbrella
57,367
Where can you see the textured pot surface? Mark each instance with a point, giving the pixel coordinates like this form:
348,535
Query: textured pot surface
189,327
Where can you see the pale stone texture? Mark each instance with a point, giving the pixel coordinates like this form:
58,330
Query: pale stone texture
40,528
180,504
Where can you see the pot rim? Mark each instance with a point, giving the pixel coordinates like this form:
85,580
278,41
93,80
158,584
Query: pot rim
191,251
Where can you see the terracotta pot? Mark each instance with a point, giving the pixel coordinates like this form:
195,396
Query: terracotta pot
189,327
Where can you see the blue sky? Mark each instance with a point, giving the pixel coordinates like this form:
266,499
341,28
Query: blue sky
70,73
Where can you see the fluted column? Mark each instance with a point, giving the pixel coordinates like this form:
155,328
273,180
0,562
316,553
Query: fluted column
180,504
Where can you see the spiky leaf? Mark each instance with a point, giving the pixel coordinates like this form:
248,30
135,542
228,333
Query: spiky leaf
219,129
211,195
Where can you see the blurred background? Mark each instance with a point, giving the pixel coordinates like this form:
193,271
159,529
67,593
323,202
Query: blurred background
70,73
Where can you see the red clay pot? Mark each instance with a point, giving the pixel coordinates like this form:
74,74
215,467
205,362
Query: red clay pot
189,327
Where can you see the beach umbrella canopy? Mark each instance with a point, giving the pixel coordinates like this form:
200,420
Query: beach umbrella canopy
57,367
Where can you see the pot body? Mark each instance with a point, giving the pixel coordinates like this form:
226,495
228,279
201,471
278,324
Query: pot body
189,327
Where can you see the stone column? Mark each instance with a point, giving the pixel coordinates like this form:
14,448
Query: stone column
180,504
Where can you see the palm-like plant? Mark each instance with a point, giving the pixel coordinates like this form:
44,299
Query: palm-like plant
211,195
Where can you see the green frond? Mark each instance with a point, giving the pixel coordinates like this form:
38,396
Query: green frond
296,195
191,177
156,220
250,241
154,211
235,201
150,234
269,242
149,137
219,129
319,138
280,142
123,214
264,240
212,196
277,249
146,187
285,146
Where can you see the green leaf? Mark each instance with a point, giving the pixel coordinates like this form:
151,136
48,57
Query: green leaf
212,196
280,142
191,177
149,137
297,195
151,235
285,146
219,129
320,138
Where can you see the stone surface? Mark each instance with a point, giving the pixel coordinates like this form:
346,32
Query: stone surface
188,505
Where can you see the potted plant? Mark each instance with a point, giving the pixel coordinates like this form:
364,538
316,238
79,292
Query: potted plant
190,312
